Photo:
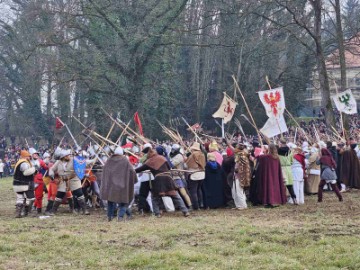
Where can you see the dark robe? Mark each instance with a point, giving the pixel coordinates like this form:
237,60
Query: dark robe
350,169
228,167
118,180
213,187
270,188
253,197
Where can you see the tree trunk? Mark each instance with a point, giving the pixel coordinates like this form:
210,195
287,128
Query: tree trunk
321,66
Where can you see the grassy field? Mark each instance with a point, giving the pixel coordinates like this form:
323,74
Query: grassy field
314,236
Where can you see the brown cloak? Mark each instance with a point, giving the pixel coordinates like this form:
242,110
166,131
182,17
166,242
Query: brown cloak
118,180
350,169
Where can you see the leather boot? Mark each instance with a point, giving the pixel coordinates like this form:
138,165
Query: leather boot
19,208
54,208
94,201
49,206
71,205
28,208
83,207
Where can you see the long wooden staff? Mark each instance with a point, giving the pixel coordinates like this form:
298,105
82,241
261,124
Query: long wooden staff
97,155
104,139
123,132
341,116
248,110
292,117
277,121
128,130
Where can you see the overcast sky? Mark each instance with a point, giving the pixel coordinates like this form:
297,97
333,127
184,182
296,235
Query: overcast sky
5,11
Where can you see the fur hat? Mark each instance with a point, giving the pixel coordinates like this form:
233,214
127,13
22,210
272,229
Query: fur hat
24,154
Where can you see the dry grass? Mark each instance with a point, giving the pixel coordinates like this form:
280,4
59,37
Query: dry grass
314,236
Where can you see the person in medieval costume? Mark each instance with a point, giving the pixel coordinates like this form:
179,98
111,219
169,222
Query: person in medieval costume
163,184
117,186
228,167
286,159
313,172
350,168
177,160
242,176
270,188
68,180
214,149
23,184
299,175
196,162
213,186
53,184
328,173
41,169
144,195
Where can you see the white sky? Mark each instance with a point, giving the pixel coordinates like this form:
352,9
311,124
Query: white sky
6,14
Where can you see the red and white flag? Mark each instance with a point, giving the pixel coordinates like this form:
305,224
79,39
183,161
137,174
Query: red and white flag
196,127
273,101
58,123
226,110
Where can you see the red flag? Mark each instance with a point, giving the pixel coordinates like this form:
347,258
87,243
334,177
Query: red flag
138,123
58,124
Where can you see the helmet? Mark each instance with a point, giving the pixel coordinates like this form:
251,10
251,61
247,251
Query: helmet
33,151
57,152
147,146
119,151
175,147
65,153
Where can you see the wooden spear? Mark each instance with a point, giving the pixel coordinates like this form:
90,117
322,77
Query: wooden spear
248,110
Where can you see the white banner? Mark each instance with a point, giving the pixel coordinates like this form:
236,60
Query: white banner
274,126
273,101
345,102
226,110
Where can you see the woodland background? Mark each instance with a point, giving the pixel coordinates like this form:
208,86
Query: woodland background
162,58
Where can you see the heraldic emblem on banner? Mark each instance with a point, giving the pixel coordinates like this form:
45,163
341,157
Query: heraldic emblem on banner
345,102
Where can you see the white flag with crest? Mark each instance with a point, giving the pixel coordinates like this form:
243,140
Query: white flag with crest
273,101
226,110
345,102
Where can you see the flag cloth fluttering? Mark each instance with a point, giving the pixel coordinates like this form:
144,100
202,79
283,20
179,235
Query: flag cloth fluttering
345,102
273,101
58,123
274,104
138,123
274,126
226,110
